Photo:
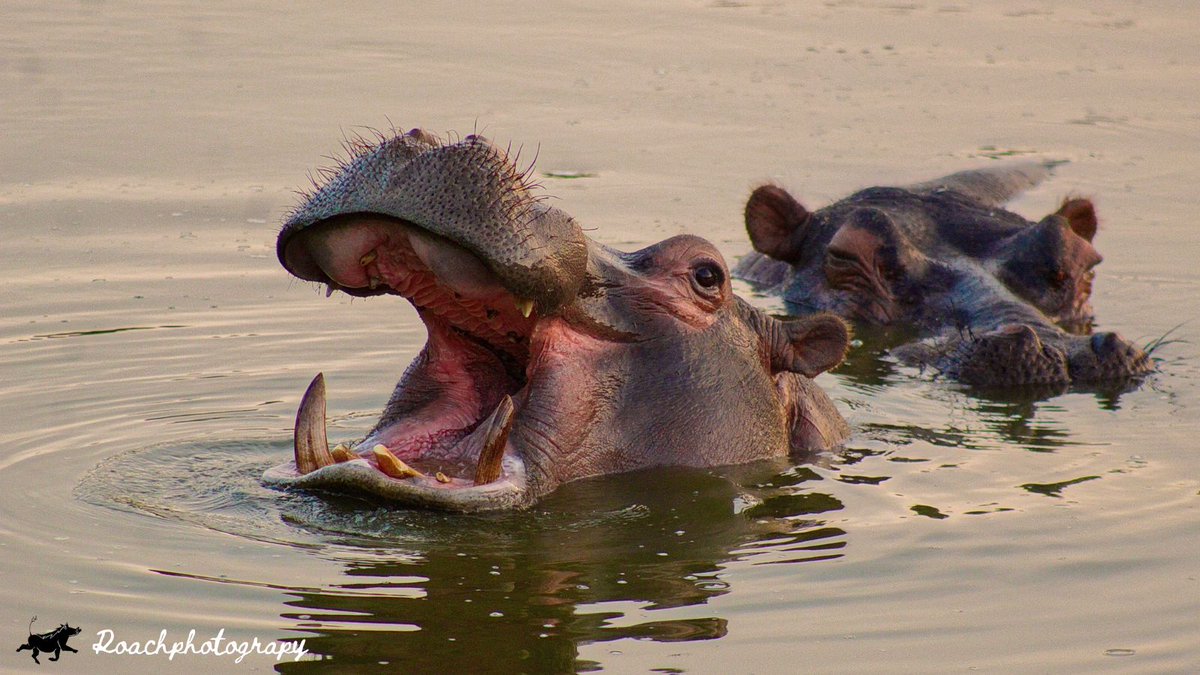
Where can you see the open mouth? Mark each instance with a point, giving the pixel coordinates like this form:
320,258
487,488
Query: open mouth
443,438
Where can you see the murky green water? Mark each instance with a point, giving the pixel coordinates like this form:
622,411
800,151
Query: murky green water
153,351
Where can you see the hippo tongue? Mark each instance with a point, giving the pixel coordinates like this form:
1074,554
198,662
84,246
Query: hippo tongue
312,447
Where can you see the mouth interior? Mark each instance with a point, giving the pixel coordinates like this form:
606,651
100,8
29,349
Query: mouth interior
448,421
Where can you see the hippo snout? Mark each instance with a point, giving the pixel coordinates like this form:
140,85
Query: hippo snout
1107,356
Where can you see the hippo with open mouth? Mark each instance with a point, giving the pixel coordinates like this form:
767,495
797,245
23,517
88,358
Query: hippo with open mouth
550,357
996,300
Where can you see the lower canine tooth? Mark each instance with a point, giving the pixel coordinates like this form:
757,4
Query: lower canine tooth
391,464
492,454
309,441
342,454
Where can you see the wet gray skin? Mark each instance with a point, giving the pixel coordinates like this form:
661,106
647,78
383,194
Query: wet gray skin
550,357
994,300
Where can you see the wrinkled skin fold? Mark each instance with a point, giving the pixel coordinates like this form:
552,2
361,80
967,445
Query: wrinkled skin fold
993,299
550,357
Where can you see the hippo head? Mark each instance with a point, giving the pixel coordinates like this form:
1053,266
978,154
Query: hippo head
998,300
549,357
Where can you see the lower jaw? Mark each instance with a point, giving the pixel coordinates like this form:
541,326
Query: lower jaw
499,479
358,477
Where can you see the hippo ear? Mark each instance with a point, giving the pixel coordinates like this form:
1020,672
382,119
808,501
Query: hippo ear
1081,216
773,220
813,344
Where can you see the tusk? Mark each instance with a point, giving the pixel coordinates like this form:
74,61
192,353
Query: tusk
490,456
392,465
524,306
311,445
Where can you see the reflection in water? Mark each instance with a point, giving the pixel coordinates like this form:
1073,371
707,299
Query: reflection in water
518,592
928,512
1055,489
986,415
634,556
870,368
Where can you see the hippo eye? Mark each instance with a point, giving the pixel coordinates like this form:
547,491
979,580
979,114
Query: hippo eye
1056,278
708,275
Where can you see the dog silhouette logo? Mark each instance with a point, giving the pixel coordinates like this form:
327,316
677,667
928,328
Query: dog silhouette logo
54,641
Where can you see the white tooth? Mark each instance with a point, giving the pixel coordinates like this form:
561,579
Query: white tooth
367,259
524,306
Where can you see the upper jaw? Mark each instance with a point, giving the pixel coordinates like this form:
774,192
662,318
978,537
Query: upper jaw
468,193
367,254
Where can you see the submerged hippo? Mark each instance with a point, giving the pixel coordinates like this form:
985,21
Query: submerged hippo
996,300
550,357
